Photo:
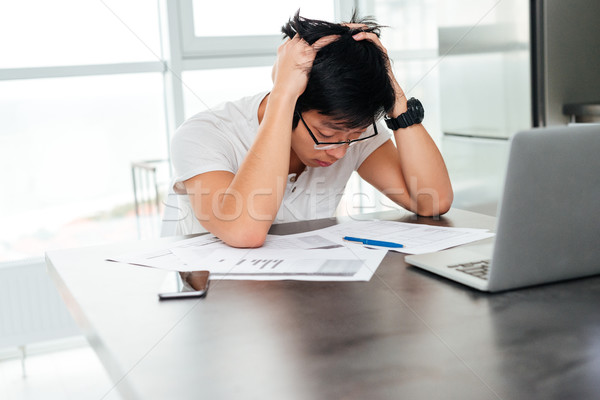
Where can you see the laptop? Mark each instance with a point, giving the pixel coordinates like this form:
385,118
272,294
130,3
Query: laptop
548,226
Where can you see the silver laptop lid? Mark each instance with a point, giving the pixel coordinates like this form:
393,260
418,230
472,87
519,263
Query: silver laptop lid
549,219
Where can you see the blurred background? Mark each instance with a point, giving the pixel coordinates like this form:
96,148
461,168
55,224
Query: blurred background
92,90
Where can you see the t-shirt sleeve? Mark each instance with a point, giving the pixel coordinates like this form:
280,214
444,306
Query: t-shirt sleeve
365,149
199,146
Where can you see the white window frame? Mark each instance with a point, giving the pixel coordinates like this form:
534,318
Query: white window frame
236,46
220,46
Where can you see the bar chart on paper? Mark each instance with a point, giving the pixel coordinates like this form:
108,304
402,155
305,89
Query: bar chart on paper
264,264
314,265
336,264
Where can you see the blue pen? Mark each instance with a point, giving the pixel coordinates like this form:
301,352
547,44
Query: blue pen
370,242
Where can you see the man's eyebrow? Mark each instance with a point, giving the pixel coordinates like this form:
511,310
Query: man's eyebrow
337,126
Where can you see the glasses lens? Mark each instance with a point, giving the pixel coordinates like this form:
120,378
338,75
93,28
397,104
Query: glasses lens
325,146
330,146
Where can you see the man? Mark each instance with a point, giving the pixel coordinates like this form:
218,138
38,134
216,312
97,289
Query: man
287,155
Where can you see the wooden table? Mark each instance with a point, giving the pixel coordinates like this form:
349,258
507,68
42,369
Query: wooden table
406,334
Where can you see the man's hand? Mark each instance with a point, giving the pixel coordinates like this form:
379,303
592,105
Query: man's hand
294,62
400,106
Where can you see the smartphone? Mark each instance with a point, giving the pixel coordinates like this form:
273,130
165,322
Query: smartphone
182,285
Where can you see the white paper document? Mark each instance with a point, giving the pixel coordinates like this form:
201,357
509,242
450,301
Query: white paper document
416,238
164,258
320,255
339,264
304,256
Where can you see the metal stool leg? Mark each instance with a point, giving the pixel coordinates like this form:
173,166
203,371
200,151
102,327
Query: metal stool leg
22,350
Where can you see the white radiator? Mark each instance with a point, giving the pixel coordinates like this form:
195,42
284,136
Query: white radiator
31,309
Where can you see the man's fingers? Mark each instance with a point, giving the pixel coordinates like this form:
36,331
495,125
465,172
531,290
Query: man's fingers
371,37
366,35
355,25
324,41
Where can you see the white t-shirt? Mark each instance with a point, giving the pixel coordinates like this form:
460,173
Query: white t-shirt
219,139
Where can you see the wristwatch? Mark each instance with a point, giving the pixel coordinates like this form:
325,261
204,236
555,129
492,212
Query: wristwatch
413,115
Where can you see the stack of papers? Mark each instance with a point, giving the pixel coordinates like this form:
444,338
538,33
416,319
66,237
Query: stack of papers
320,255
304,256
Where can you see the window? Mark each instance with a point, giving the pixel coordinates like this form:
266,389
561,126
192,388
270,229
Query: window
37,33
244,20
251,28
411,25
77,105
65,150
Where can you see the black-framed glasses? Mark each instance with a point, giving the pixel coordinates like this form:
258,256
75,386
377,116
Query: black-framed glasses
335,145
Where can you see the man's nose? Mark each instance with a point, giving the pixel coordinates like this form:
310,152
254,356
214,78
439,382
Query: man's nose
338,152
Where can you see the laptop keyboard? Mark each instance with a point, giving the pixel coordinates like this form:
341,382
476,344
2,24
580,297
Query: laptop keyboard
479,269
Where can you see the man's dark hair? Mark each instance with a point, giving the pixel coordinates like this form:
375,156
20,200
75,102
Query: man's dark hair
348,80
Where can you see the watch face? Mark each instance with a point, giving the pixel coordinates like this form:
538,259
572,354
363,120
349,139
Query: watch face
416,110
420,112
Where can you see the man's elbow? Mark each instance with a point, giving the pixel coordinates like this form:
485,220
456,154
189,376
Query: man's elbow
446,202
434,205
238,232
244,239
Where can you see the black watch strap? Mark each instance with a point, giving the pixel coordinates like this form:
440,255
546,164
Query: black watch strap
414,115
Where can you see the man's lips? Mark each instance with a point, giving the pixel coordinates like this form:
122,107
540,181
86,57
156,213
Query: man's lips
323,163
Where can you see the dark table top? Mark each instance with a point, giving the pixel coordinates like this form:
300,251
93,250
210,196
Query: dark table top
405,334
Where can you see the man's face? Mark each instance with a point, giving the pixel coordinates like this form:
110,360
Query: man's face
325,129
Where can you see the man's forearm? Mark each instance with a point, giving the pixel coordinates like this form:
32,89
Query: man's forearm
424,171
260,182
